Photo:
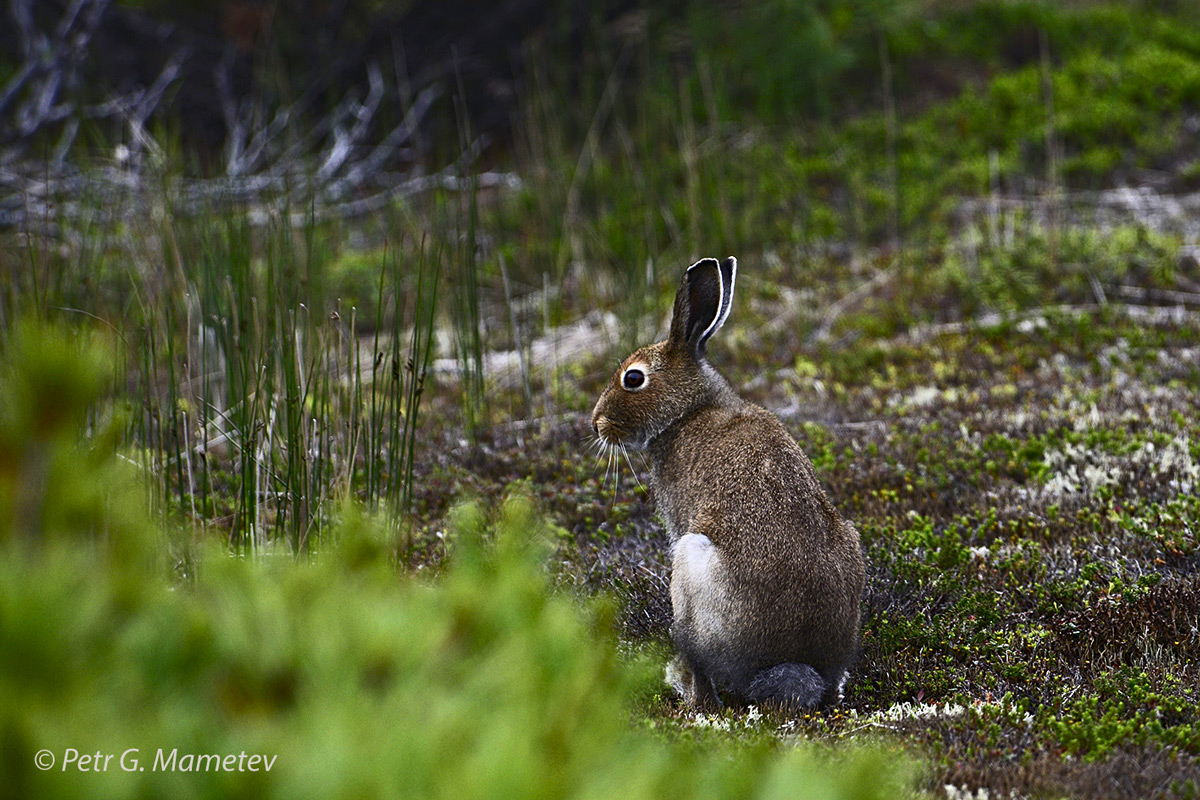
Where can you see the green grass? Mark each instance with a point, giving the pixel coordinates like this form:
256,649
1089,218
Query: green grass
1113,96
254,391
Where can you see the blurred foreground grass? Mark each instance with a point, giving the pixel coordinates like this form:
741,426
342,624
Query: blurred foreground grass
361,680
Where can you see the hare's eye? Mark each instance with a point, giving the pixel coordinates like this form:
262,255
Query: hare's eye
633,379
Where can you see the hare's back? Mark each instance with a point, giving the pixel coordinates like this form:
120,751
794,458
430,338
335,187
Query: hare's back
742,470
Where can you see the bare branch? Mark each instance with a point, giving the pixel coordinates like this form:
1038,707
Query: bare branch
364,114
335,163
235,133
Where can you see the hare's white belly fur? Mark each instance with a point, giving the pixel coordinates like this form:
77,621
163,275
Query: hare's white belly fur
699,595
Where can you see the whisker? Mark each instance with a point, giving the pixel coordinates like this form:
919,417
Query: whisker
616,477
607,468
642,459
625,453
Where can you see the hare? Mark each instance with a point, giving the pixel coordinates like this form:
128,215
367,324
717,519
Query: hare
766,577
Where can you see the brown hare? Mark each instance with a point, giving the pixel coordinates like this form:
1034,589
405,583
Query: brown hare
766,577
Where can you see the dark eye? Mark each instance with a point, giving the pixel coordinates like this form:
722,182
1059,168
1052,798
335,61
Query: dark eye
633,379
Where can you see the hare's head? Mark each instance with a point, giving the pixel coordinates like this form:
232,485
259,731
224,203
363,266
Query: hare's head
661,383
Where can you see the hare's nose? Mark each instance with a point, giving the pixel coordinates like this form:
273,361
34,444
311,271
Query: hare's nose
596,420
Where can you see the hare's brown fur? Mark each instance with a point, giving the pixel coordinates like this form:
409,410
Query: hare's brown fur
765,572
793,566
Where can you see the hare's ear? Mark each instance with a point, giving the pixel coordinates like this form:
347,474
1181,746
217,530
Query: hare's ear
702,303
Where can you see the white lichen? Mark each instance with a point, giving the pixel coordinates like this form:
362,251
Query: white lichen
1076,470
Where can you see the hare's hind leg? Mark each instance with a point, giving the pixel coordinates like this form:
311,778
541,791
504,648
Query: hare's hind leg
700,604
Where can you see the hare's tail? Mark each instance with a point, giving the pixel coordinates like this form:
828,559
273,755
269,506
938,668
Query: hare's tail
790,685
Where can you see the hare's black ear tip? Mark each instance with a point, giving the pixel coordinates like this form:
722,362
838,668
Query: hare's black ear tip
704,262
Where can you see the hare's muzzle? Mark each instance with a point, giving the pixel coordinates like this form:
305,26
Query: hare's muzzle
602,425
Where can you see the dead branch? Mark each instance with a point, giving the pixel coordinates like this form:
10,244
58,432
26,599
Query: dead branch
350,159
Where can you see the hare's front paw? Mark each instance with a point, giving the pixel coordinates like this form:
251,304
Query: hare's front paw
697,691
678,676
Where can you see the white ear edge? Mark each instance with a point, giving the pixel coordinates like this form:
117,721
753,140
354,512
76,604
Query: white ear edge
718,318
726,295
725,301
